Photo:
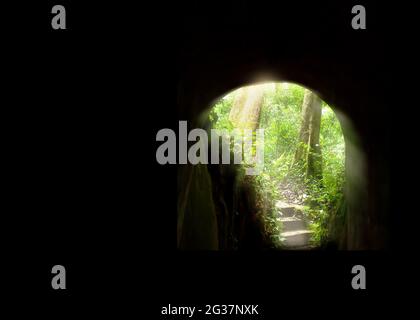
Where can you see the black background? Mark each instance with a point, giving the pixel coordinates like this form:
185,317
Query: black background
84,189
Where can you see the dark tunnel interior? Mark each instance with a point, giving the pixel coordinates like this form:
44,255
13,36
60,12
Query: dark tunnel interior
245,50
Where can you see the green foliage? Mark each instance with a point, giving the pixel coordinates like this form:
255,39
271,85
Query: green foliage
219,114
281,118
267,191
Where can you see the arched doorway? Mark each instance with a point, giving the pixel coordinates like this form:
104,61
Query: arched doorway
299,197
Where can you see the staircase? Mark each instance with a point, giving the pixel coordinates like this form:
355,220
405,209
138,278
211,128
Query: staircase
295,235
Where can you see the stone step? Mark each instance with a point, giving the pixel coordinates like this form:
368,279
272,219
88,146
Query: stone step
287,219
305,247
296,238
288,209
293,224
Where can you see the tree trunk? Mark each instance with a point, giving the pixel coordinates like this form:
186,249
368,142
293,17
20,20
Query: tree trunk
304,128
246,108
314,161
309,150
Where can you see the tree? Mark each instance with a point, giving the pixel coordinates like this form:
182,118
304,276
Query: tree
302,148
246,108
308,153
314,159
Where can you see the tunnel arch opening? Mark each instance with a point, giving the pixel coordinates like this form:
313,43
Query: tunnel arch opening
301,188
305,215
347,232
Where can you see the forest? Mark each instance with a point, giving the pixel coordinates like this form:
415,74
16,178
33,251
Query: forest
299,194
